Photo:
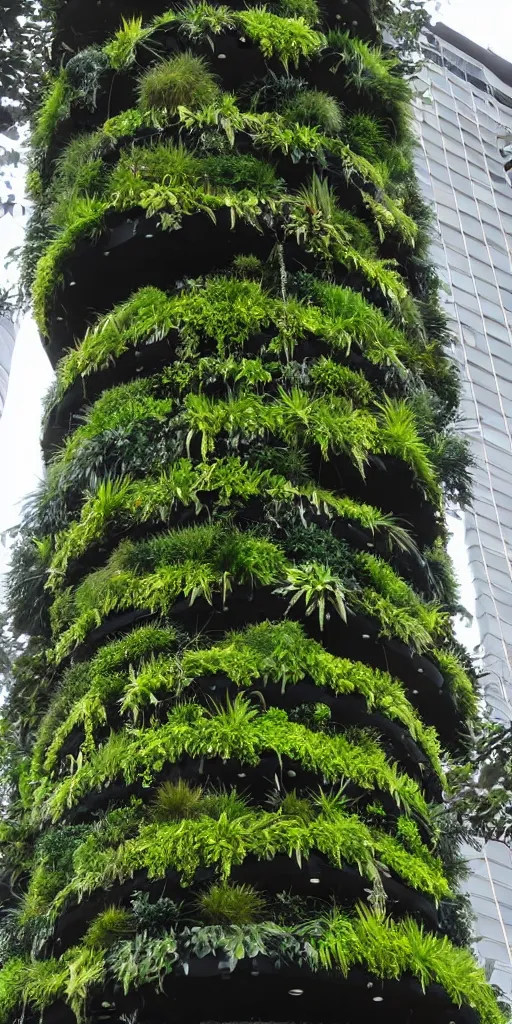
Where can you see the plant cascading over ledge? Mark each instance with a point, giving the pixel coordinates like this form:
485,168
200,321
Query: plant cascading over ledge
226,744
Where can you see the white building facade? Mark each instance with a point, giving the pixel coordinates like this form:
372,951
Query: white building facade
7,340
463,111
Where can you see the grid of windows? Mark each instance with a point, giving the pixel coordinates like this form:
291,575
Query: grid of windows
459,131
460,121
7,338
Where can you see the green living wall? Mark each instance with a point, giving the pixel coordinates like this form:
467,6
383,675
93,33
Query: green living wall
225,746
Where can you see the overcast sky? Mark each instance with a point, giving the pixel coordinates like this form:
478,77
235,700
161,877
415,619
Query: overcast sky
488,22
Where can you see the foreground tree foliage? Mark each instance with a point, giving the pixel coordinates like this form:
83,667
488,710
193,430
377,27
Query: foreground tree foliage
483,784
225,744
24,50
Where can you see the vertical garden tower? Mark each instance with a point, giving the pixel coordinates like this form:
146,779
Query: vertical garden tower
224,746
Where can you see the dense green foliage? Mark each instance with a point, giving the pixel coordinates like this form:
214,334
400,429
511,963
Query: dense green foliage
335,941
266,654
241,664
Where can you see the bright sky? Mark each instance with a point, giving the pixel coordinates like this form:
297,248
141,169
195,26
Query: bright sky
20,464
31,374
487,22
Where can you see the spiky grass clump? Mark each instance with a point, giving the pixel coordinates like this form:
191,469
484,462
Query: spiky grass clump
247,267
365,135
176,800
108,927
231,904
316,108
182,81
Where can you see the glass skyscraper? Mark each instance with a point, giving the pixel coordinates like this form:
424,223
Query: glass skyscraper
463,114
7,339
